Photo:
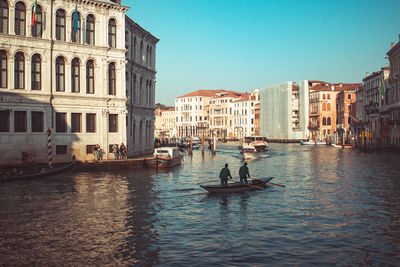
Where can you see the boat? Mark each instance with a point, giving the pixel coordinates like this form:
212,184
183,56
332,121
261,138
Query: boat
164,157
249,151
42,173
254,184
258,142
341,146
312,143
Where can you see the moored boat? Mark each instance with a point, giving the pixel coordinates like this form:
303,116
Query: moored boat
254,184
164,157
341,146
312,143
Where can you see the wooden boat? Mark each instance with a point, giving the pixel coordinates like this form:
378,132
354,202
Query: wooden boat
238,187
345,146
42,173
164,157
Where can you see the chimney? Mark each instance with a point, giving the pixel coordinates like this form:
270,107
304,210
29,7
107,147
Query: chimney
399,37
392,45
367,74
332,88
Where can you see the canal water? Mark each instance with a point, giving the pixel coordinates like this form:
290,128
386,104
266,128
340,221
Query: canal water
339,208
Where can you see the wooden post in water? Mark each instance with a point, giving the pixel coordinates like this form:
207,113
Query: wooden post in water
202,145
214,146
191,147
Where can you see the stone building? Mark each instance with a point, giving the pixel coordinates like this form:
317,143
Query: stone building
391,111
70,73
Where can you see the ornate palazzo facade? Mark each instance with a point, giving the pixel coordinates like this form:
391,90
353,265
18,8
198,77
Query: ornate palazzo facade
71,74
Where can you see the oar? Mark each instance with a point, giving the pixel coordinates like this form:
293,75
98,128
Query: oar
276,184
209,181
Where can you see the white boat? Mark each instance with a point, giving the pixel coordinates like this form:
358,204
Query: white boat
258,142
312,143
164,157
250,152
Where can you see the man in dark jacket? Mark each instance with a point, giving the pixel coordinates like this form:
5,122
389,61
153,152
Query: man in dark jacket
244,173
224,174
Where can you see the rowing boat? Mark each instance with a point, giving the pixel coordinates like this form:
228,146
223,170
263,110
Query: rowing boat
237,186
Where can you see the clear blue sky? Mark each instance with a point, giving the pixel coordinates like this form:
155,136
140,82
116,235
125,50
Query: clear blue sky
242,45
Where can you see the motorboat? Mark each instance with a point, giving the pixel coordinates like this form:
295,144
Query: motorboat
258,142
249,152
164,157
312,143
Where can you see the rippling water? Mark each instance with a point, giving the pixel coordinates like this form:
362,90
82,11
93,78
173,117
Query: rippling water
339,208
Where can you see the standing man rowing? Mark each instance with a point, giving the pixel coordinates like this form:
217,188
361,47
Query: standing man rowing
224,174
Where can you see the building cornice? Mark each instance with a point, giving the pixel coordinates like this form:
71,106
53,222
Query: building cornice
102,4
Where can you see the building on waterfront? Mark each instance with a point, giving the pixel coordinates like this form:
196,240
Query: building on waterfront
191,118
243,115
345,103
209,113
391,109
323,113
257,118
284,111
89,82
374,100
164,128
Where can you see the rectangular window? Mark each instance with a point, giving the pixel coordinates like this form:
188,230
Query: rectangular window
90,149
4,121
19,121
37,121
113,123
61,122
349,96
76,119
90,123
62,149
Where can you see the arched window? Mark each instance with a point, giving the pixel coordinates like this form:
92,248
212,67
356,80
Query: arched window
134,48
20,17
3,69
19,71
134,89
36,72
37,21
76,27
329,121
90,77
323,107
60,74
140,91
111,79
324,121
90,36
329,106
151,58
147,55
112,33
150,94
328,96
323,96
141,51
3,16
75,76
60,25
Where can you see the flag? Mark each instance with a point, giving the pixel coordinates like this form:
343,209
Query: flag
383,89
34,11
76,18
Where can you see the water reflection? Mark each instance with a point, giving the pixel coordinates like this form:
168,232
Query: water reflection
336,204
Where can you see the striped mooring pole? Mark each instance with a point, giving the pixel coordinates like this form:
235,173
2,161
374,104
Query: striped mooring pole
49,148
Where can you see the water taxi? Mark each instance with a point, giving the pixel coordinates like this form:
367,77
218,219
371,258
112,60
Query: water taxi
258,142
164,157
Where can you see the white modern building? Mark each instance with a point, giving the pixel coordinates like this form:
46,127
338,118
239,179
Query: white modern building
88,84
284,111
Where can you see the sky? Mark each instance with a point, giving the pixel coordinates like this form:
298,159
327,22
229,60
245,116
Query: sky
241,45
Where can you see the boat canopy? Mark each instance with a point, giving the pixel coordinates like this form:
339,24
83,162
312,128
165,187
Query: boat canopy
169,152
